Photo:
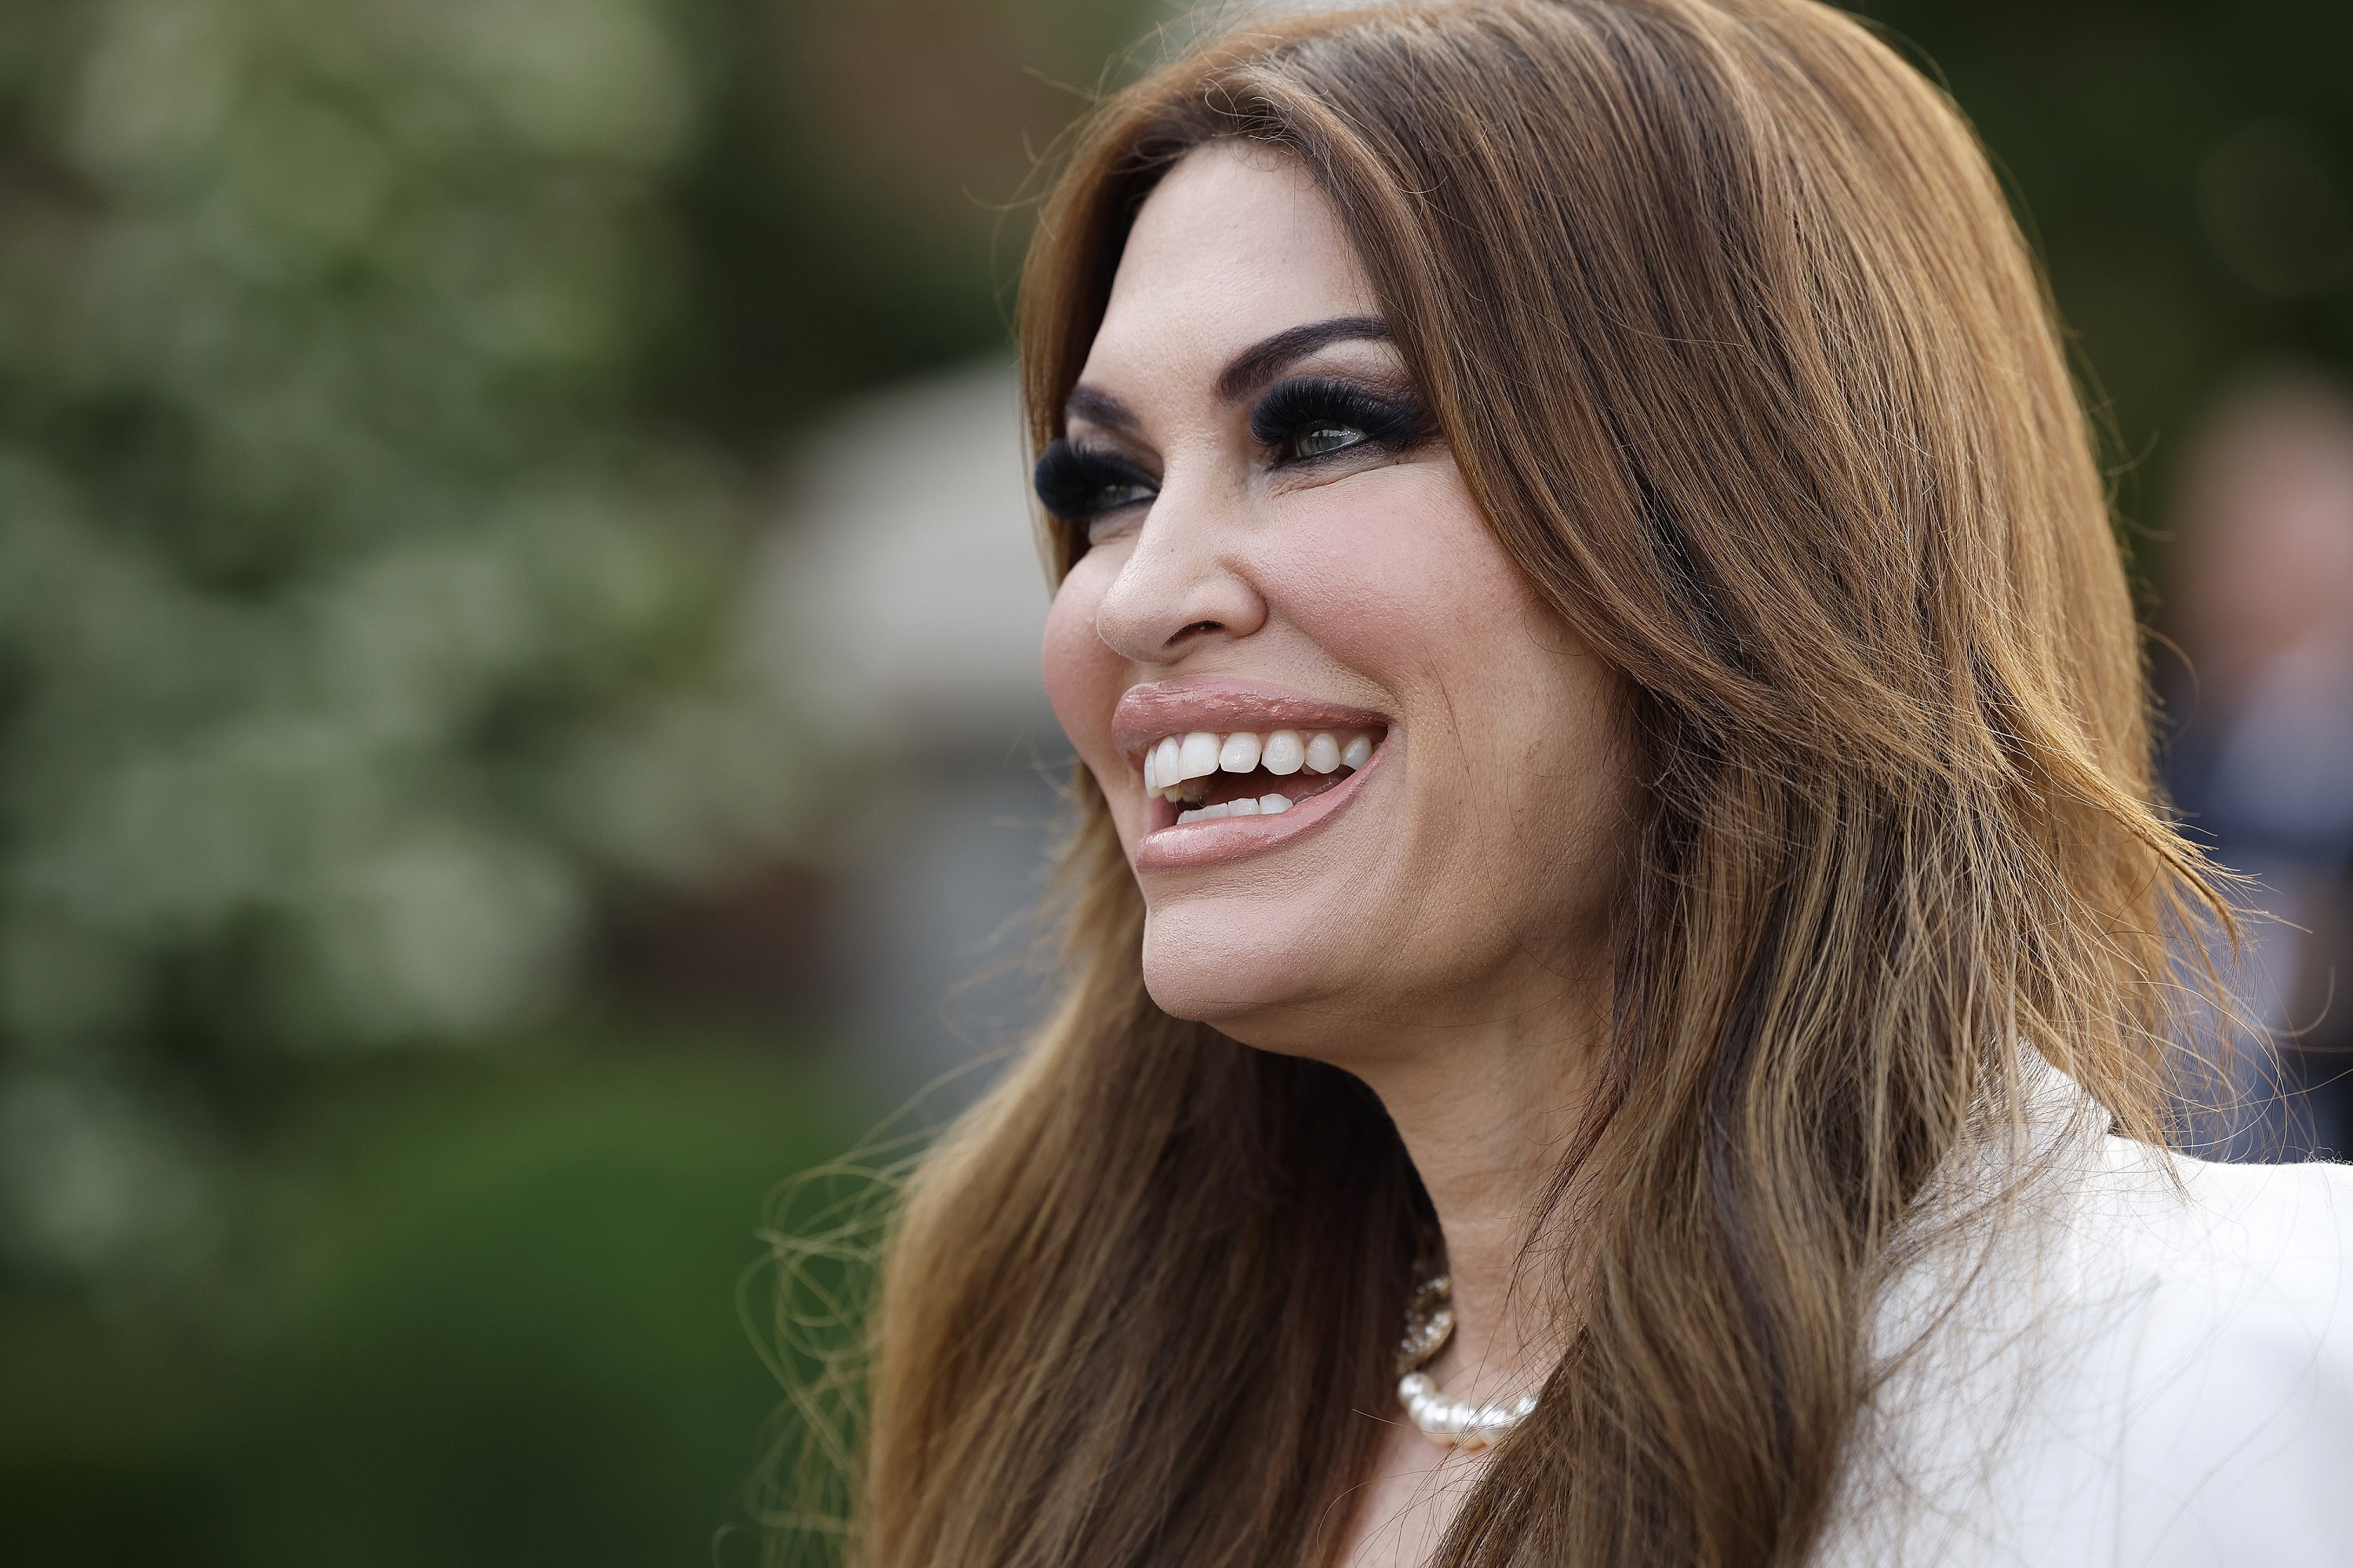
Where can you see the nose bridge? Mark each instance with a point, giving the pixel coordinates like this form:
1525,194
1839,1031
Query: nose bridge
1179,582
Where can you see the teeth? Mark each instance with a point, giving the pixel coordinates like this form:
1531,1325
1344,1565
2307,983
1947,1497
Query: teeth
1179,768
1264,805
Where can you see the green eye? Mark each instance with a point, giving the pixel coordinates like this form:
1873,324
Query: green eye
1322,439
1318,417
1112,497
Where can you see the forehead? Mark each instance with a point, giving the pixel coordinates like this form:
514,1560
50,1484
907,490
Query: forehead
1234,245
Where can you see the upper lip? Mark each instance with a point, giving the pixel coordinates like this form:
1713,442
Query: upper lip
1225,705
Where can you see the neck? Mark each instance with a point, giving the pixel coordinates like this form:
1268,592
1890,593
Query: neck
1487,1113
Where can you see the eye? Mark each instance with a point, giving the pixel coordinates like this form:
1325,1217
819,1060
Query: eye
1313,418
1322,439
1079,484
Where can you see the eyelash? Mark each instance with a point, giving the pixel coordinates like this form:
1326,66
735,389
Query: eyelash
1296,409
1078,482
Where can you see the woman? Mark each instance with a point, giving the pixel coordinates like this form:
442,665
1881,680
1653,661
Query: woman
1615,814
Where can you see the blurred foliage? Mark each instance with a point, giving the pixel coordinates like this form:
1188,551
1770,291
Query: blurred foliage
348,623
383,386
487,1317
855,209
387,391
2187,166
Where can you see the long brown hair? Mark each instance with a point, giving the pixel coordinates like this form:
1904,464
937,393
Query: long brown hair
1738,348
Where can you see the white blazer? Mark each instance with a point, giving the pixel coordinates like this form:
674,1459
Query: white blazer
2139,1362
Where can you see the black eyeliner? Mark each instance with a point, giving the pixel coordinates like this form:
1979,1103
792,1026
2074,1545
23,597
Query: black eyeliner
1075,481
1392,421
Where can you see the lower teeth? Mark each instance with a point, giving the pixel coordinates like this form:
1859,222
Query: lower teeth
1264,805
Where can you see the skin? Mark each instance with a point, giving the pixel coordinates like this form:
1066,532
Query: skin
1444,936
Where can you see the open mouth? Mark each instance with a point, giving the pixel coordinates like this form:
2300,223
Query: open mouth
1233,767
1205,777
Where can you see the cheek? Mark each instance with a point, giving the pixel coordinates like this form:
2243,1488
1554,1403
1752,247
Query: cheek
1402,579
1083,675
1516,757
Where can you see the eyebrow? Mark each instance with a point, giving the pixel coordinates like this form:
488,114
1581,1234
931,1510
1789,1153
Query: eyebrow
1245,373
1262,362
1098,407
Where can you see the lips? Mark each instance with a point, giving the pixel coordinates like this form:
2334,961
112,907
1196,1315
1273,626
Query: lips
1224,705
1263,765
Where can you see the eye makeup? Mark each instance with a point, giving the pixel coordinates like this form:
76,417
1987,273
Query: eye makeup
1304,420
1077,482
1311,418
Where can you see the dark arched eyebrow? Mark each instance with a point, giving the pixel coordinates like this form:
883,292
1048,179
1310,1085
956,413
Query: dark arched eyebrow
1261,363
1099,409
1247,371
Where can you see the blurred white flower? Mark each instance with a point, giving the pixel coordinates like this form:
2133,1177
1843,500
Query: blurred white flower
351,624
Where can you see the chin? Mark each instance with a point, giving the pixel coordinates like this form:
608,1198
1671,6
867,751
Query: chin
1267,979
1219,985
1219,976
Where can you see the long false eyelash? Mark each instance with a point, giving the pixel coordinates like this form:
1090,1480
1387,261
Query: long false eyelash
1076,482
1391,421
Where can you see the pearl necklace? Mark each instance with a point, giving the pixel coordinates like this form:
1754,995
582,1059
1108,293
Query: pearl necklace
1450,1423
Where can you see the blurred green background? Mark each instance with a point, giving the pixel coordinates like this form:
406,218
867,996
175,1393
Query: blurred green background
418,947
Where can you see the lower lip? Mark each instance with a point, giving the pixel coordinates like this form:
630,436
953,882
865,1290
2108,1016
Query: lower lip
1227,839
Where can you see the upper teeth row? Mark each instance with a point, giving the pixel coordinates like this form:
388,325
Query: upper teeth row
1178,757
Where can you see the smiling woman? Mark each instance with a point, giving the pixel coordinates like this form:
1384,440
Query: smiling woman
1288,594
1617,984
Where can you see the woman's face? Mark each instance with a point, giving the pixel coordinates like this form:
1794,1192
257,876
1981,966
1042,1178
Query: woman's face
1385,788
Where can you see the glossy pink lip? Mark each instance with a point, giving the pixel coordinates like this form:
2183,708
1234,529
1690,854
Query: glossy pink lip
1223,706
1221,703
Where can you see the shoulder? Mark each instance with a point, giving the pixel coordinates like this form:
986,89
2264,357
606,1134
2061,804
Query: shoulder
2241,1244
2150,1364
2230,1373
2206,1266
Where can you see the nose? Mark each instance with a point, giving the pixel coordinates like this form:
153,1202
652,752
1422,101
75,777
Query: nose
1179,586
